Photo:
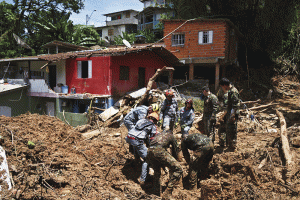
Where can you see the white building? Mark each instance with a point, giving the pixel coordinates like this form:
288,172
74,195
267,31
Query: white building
118,22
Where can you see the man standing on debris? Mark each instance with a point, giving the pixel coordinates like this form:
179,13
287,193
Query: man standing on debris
232,114
186,117
209,112
137,136
168,113
203,150
158,157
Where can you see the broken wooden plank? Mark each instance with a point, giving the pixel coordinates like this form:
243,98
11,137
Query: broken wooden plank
285,143
91,134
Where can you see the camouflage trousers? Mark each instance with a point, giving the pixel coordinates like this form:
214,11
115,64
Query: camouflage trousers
209,128
228,133
202,158
159,157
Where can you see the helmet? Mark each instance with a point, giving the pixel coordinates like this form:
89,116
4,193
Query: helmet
154,115
153,107
169,93
190,101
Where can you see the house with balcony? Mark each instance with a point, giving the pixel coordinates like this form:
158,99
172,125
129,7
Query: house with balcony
205,47
149,17
117,23
65,84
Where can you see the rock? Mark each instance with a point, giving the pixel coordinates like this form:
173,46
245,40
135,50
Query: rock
296,141
117,134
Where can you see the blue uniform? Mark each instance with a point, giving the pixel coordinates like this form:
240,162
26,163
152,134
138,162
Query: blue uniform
168,113
186,117
143,130
135,115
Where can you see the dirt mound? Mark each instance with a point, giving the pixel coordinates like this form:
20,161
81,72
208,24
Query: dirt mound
64,165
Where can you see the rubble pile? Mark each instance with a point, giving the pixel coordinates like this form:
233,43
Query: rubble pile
49,159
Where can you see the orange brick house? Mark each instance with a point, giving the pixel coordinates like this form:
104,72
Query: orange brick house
205,47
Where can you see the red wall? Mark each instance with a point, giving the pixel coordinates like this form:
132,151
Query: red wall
106,72
100,76
191,48
146,59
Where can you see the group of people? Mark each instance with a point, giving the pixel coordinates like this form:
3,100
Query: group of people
143,121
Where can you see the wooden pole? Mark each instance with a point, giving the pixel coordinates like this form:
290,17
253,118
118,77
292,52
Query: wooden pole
217,76
191,72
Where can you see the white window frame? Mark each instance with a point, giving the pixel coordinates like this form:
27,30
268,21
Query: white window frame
205,40
178,39
79,69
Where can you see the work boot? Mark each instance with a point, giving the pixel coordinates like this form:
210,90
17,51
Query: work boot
167,194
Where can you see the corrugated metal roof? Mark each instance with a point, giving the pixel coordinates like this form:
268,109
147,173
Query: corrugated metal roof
64,45
108,14
118,51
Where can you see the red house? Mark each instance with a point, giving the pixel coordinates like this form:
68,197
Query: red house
203,46
115,71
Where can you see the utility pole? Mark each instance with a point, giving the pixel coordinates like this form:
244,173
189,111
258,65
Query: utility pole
89,17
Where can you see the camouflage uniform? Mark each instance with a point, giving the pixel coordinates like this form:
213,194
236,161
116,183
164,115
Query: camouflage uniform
186,117
168,113
203,150
144,130
233,105
223,101
209,115
159,157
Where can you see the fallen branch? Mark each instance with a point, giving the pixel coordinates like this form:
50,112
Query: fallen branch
110,168
263,106
285,143
150,83
65,117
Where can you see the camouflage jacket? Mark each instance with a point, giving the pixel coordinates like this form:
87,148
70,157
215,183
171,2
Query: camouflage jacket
186,116
210,106
223,99
194,142
233,100
164,140
169,108
136,114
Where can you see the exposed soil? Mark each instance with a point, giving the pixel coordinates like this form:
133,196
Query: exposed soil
63,165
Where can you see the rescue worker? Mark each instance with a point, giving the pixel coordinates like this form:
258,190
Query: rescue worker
232,114
138,113
168,113
186,117
137,136
203,150
209,112
135,115
159,157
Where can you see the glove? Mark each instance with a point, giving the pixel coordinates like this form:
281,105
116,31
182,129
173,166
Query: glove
213,120
176,124
159,123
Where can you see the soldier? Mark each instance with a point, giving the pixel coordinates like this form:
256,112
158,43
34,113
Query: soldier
186,117
233,104
209,112
159,157
203,150
223,98
137,136
168,113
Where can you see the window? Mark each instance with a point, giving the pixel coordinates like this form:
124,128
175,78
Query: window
84,69
177,39
205,37
110,32
116,17
124,73
100,32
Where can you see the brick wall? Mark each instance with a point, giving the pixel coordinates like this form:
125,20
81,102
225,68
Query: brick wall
223,43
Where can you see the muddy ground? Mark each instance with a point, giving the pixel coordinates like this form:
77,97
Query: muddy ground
63,165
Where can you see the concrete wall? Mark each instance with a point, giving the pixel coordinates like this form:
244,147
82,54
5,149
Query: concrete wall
16,100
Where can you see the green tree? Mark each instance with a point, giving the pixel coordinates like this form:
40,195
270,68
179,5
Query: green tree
18,18
85,35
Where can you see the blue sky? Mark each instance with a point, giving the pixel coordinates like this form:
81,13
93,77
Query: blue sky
101,7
